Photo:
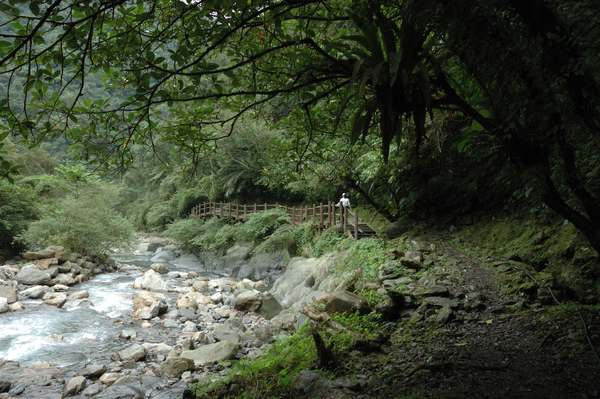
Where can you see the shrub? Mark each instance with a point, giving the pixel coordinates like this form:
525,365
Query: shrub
86,225
16,211
215,233
185,230
283,238
261,225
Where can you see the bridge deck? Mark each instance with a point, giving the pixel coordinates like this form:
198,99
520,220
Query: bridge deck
323,215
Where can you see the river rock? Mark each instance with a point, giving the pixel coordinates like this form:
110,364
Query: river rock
309,384
47,263
92,390
93,371
9,293
151,281
36,292
164,256
186,302
3,305
43,254
174,365
146,299
60,253
248,301
159,268
213,353
130,387
78,295
74,386
226,332
31,275
347,302
55,299
156,243
132,354
15,307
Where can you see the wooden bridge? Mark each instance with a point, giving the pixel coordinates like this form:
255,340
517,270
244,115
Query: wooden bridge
324,216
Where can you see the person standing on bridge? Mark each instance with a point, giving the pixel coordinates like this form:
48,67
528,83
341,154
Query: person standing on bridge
345,202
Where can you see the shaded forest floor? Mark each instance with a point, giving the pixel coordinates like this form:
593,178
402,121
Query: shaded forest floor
509,346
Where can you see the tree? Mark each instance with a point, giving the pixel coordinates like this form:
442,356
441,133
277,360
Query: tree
524,72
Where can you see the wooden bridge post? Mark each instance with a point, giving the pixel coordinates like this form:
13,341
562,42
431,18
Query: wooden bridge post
229,213
356,225
244,215
321,217
294,215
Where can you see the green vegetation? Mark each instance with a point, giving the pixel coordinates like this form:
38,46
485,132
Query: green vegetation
268,376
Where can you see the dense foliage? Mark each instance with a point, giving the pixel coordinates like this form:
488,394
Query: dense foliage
382,93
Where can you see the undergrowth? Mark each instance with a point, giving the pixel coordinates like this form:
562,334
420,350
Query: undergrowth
268,376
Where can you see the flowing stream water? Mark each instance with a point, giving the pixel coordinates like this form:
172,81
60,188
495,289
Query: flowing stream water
70,336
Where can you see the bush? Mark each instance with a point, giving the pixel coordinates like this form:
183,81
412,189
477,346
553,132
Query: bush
267,376
185,230
17,210
283,238
215,233
261,225
86,225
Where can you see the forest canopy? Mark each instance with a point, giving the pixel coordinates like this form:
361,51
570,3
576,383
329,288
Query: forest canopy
519,77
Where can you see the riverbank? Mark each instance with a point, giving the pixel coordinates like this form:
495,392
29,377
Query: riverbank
132,336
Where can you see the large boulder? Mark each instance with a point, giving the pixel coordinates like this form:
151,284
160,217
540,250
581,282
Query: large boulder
43,254
213,353
174,365
9,293
248,300
147,305
3,305
156,243
309,384
74,386
31,275
151,281
347,302
132,353
159,268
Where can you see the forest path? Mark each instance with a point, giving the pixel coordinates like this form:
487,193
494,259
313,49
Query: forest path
494,350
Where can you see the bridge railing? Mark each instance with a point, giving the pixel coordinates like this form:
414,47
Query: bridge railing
322,215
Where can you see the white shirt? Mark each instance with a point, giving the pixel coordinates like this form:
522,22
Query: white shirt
344,201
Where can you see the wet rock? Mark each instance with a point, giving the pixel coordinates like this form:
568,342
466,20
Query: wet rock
226,332
4,386
213,353
55,299
248,301
78,295
74,386
174,365
44,264
92,390
31,275
159,268
3,305
93,371
46,253
132,354
151,281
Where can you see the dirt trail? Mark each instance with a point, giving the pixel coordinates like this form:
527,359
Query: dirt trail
489,349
